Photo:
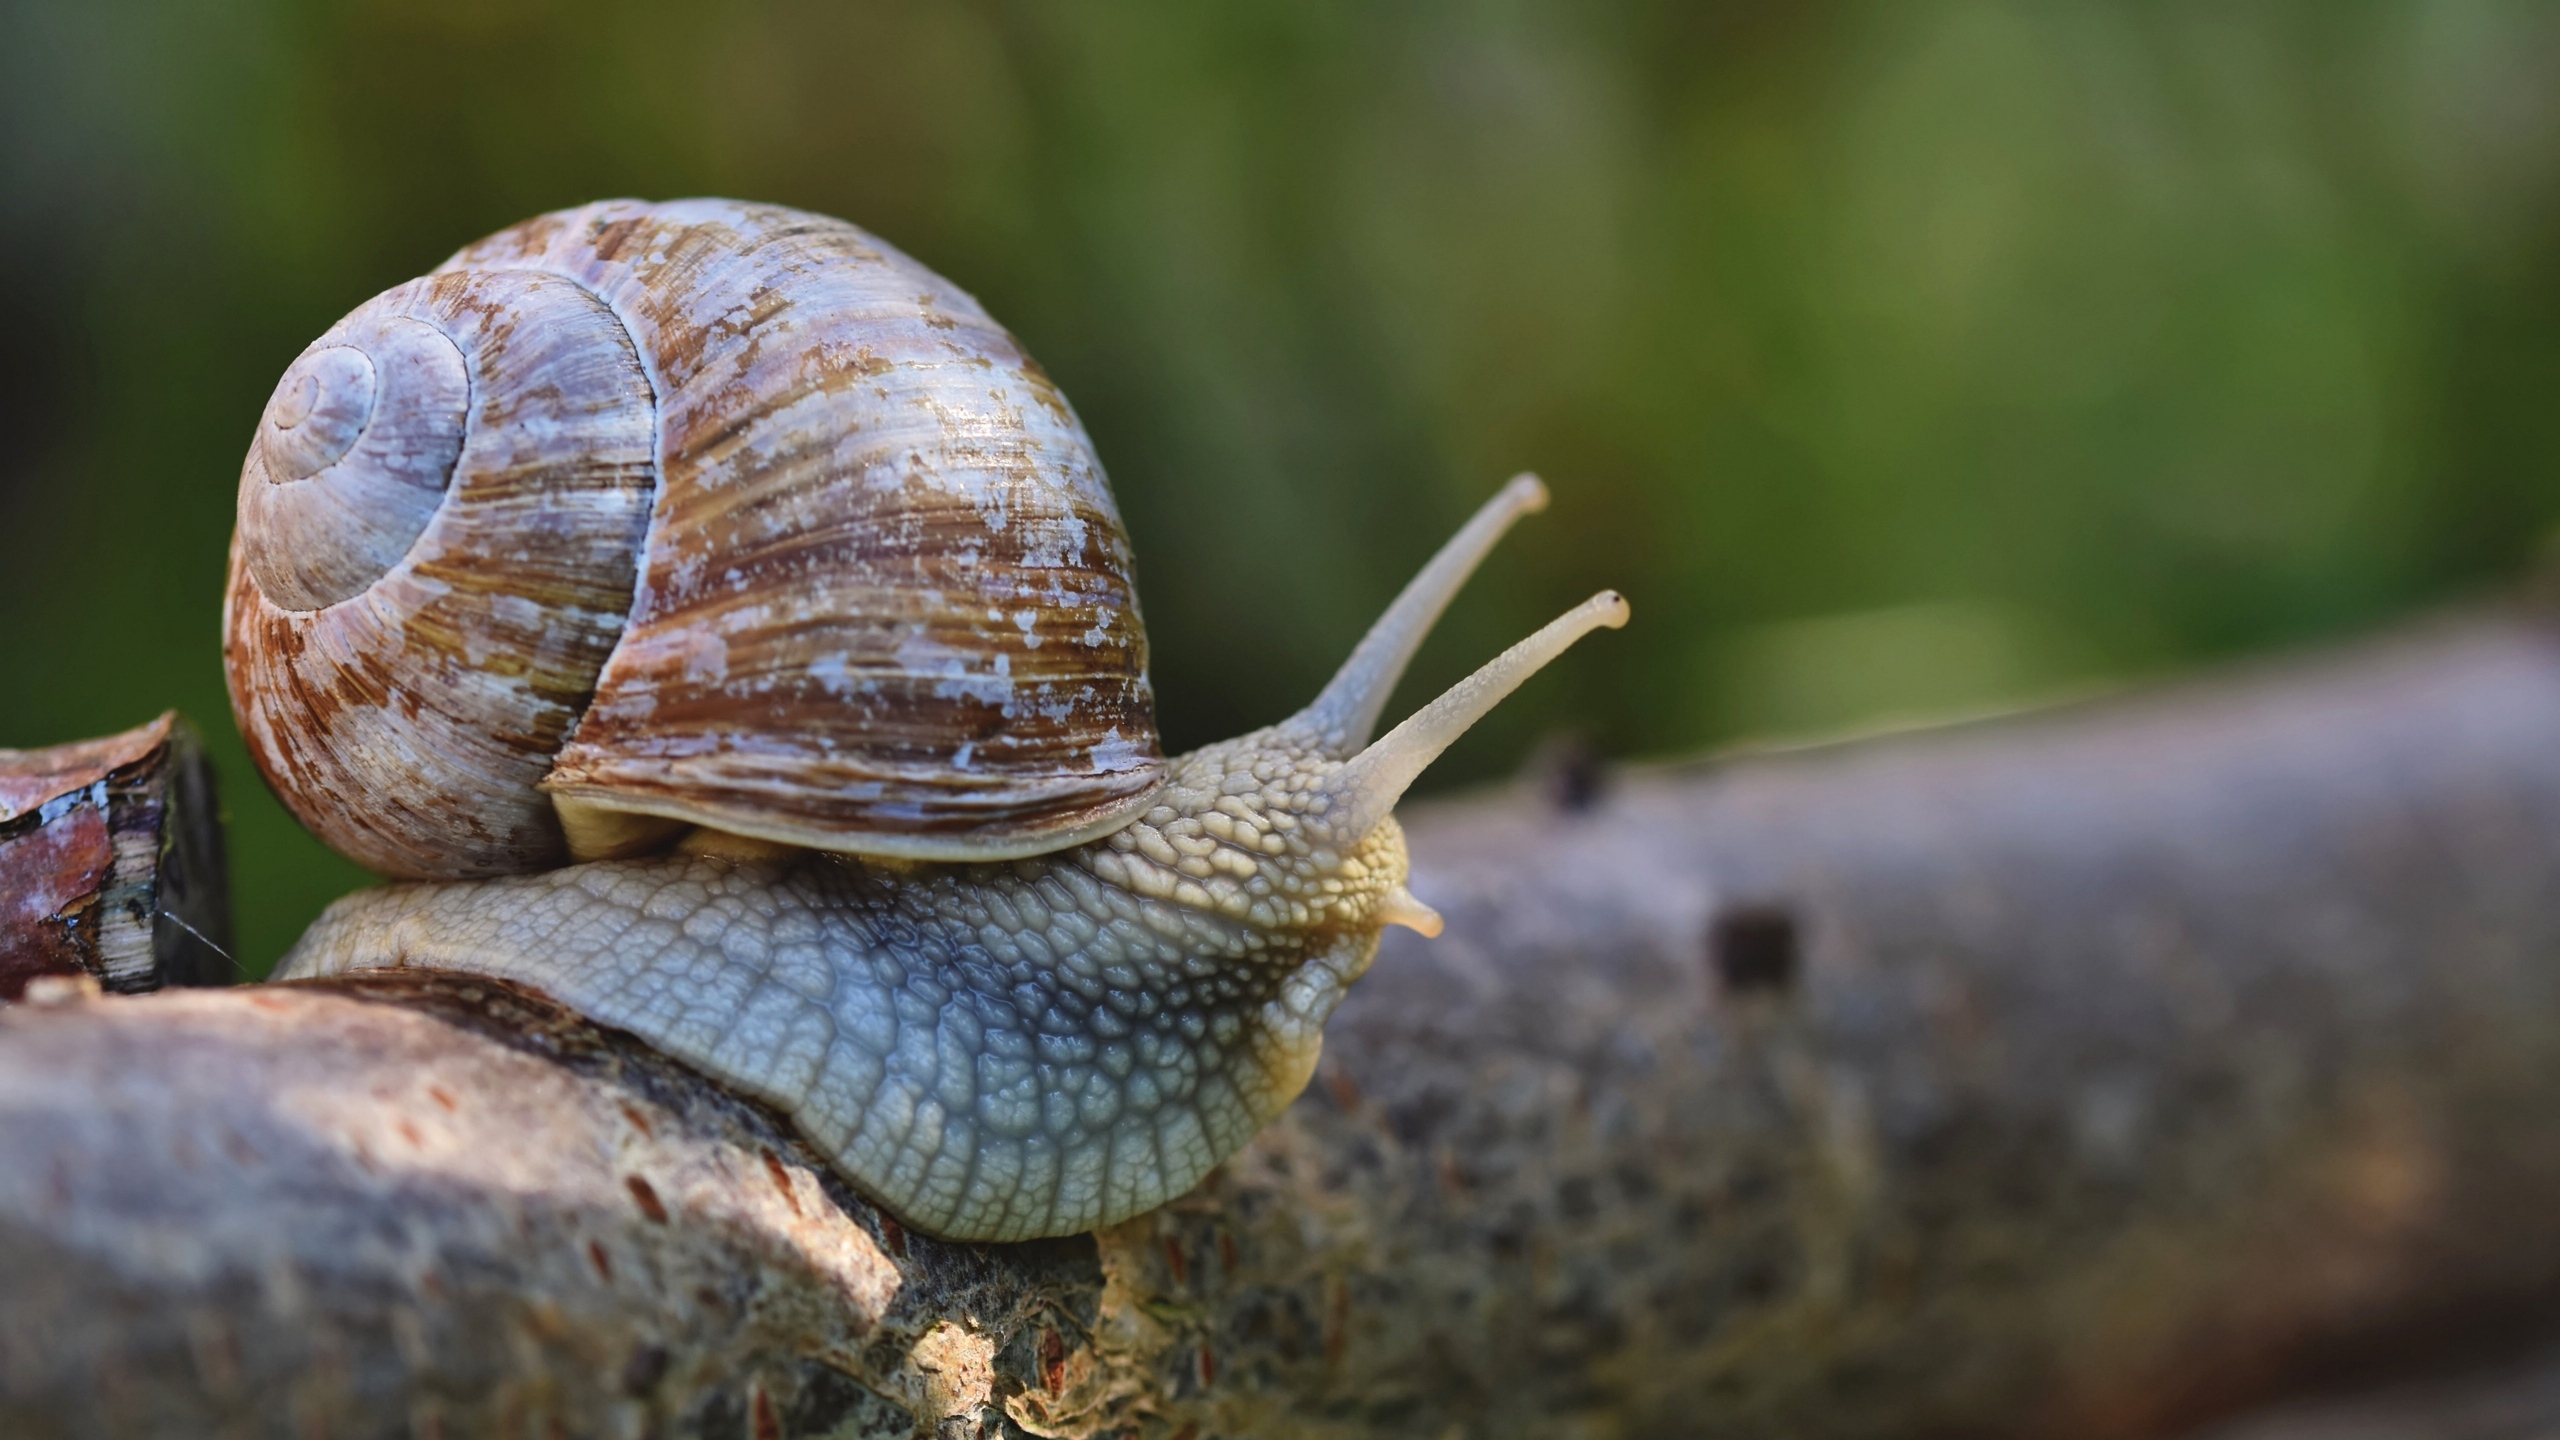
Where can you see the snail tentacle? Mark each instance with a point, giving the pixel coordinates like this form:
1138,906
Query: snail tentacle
1347,711
1370,784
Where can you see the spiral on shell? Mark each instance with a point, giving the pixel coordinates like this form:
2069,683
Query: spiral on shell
697,512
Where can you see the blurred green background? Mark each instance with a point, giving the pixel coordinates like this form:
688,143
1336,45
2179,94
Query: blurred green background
1897,360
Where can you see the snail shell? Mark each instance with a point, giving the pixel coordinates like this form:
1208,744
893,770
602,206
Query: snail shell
714,513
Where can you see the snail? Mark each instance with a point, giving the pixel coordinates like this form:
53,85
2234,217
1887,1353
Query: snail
711,619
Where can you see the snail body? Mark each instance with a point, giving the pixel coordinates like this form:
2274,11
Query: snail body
1011,1001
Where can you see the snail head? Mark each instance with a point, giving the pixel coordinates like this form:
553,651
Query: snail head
1290,827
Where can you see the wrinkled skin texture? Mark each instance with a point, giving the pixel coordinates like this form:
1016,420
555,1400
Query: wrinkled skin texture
996,1051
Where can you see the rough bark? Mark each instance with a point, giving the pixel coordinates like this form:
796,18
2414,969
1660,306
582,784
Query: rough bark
111,864
2085,1074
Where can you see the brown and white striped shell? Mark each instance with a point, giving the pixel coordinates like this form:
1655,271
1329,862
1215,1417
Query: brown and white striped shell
708,511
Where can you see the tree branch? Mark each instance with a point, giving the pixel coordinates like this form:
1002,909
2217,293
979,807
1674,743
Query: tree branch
111,864
2084,1074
